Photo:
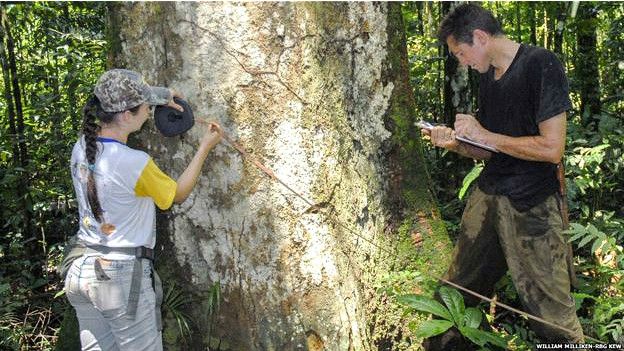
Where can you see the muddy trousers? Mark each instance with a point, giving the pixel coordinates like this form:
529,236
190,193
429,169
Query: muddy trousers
495,237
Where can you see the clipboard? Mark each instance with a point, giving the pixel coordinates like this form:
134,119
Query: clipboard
428,126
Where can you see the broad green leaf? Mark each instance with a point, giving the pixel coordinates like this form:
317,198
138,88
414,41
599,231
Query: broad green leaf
576,236
455,303
469,178
472,317
592,229
576,231
585,240
433,327
473,335
481,337
425,304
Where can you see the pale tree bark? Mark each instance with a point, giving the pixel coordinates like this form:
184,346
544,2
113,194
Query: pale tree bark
319,93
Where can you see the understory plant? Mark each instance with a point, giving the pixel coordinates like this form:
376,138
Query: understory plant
453,314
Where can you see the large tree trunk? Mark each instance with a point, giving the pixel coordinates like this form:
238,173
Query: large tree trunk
319,93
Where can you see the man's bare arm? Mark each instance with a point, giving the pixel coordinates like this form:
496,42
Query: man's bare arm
548,146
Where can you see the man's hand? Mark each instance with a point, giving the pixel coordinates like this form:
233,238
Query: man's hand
442,136
467,126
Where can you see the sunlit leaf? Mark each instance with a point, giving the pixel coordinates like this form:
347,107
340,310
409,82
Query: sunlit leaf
425,304
433,327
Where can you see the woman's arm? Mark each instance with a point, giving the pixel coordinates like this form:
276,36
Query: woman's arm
188,179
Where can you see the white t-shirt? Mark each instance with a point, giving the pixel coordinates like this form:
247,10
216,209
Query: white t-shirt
128,184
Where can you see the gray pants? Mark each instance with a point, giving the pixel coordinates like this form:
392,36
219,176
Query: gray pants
100,297
495,237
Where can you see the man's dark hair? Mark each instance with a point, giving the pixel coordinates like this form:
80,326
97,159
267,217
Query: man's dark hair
464,19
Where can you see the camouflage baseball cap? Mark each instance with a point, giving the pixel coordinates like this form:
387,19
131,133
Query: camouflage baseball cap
122,89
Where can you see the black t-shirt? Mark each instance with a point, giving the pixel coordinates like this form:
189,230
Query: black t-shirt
533,89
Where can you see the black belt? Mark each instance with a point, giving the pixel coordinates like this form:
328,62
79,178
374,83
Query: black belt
138,252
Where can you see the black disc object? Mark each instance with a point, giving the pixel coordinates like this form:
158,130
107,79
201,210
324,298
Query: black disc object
171,122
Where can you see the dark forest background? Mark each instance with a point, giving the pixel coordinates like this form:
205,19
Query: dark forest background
52,53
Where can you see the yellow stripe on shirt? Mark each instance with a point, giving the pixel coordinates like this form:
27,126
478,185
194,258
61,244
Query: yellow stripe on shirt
157,185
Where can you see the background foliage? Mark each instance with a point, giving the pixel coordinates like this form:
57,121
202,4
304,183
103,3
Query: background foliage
52,53
58,50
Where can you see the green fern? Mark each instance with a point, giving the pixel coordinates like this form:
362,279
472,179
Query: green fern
174,301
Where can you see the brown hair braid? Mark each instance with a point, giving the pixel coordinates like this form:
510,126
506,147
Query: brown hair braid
92,111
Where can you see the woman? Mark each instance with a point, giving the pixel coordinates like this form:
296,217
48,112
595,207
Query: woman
110,281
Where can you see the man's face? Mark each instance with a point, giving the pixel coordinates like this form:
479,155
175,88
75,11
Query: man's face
472,55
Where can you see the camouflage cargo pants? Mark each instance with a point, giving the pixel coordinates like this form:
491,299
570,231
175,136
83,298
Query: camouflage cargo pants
496,237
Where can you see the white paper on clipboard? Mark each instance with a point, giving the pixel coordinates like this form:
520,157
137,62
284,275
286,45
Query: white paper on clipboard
428,126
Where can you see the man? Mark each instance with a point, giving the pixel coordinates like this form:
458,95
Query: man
512,219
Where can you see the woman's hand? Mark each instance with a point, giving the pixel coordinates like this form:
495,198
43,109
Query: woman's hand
213,134
172,103
187,180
